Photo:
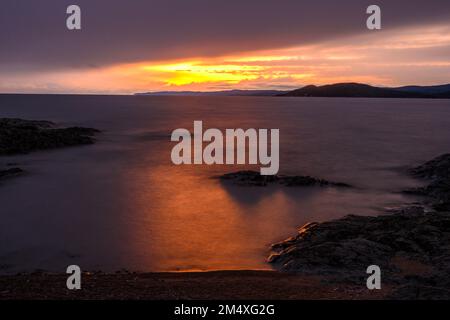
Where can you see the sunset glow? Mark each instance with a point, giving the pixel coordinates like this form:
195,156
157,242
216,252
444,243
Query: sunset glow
196,72
395,58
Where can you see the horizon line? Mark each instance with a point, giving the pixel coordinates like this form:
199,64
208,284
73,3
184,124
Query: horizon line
210,91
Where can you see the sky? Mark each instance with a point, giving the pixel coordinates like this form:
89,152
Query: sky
205,45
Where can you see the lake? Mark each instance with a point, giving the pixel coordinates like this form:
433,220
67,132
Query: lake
121,203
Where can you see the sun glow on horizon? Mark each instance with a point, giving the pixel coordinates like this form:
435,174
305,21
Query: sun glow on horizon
369,59
186,73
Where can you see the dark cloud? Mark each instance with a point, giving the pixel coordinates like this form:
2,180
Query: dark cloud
33,33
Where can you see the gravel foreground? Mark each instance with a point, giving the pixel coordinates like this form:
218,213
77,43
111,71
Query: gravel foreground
214,285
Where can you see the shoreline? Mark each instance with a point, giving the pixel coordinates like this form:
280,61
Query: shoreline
207,285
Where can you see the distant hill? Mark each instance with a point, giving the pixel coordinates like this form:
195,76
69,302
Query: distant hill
353,90
432,90
332,90
228,93
443,95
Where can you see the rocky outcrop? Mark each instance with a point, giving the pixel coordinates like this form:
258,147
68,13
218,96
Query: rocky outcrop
354,242
254,178
437,173
410,244
346,247
19,136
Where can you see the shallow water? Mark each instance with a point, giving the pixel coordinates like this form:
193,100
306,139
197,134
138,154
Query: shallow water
121,203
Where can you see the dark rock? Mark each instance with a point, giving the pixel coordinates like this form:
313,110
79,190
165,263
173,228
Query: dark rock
410,244
22,136
437,172
254,178
346,247
249,178
9,173
437,168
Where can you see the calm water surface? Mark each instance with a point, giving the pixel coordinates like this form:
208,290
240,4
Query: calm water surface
122,204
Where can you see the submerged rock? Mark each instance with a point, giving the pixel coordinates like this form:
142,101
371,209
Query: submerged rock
307,181
9,173
22,136
249,178
254,178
